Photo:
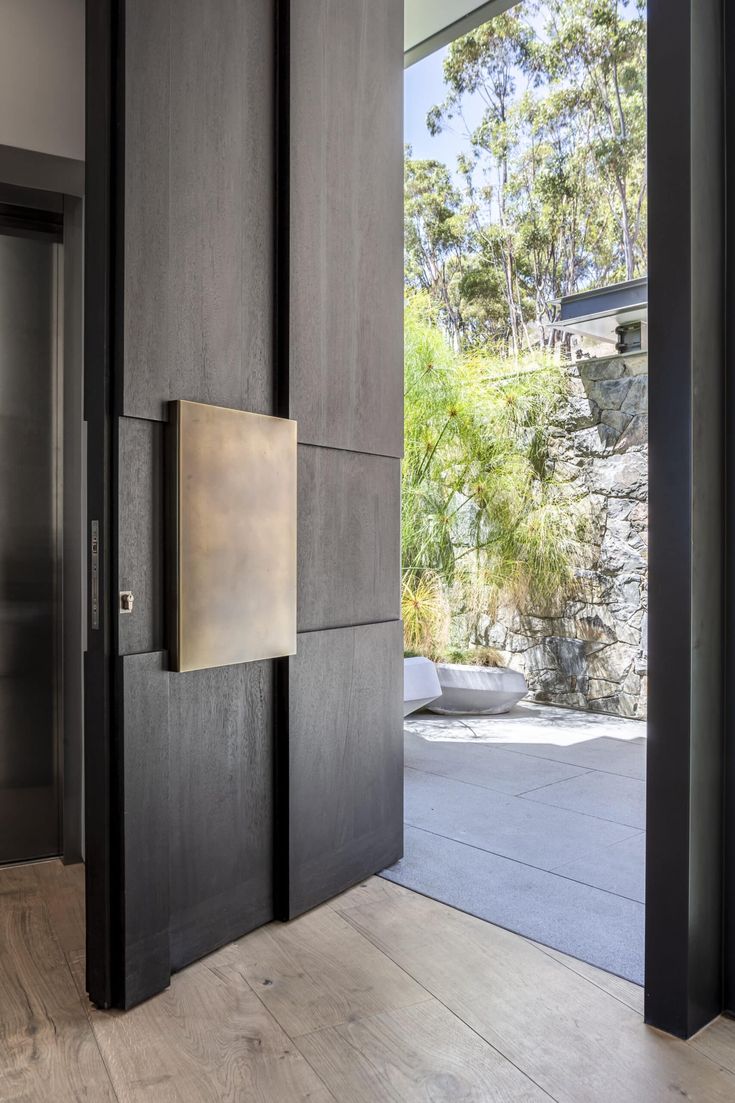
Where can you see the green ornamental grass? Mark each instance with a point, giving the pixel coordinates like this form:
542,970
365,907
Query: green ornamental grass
484,517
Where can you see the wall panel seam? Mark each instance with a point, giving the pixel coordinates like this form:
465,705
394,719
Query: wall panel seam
345,627
351,451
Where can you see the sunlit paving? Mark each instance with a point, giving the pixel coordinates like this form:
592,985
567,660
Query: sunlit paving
527,722
534,820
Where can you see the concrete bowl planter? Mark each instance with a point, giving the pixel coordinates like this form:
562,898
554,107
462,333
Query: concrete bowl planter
480,690
420,684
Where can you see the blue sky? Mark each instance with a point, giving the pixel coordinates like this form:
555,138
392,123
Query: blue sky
423,88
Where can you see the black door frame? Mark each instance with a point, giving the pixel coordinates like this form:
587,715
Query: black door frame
729,766
101,315
684,932
687,532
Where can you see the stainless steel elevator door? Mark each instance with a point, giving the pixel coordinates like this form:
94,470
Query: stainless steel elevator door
29,543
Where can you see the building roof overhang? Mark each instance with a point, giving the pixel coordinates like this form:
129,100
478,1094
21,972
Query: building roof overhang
431,24
600,311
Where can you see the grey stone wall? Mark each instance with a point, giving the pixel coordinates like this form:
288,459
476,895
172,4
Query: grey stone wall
590,652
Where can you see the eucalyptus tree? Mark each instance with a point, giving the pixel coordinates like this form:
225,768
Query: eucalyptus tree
437,242
550,195
598,47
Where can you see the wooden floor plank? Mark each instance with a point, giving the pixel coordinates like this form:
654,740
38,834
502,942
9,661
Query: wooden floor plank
419,1054
717,1041
623,990
48,1048
317,971
374,890
62,888
370,891
574,1040
387,996
207,1039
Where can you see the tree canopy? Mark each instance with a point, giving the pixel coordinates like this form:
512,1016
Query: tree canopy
550,197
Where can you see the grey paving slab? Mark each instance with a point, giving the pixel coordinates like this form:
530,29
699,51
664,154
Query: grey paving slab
472,842
535,723
591,741
609,796
484,764
620,868
585,922
431,726
615,756
514,827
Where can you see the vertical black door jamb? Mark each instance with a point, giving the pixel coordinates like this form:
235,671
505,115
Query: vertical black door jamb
102,254
686,665
729,773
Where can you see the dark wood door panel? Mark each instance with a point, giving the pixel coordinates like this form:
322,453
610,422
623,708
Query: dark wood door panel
146,182
144,827
344,804
221,806
192,287
349,538
199,113
346,224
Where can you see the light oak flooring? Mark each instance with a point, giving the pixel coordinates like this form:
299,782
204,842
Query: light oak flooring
381,995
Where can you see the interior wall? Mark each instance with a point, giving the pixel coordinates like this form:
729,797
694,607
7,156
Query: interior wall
72,489
42,76
42,147
42,79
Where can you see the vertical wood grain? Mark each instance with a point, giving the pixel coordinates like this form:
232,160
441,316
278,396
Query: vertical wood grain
145,826
221,202
346,223
193,811
197,309
340,762
349,538
199,115
345,804
221,806
146,181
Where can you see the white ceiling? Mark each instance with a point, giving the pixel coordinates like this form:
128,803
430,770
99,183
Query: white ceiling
429,24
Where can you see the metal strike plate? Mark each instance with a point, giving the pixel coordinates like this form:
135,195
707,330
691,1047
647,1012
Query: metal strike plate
95,573
127,600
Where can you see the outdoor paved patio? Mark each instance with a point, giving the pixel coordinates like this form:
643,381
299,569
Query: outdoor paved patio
535,821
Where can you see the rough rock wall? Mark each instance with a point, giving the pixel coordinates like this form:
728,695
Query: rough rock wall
591,651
